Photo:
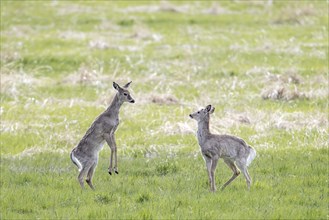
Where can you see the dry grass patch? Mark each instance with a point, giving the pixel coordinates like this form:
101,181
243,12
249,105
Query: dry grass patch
296,15
264,121
145,35
92,74
162,7
9,57
164,99
284,47
182,127
11,83
287,86
30,152
299,121
72,35
67,8
282,92
86,75
290,76
216,9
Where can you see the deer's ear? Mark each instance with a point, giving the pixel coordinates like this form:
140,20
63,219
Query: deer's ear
127,85
208,108
212,110
116,86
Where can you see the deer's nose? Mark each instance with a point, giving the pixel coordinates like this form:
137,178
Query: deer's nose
191,116
132,101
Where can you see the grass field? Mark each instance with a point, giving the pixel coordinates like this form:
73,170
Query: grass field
263,67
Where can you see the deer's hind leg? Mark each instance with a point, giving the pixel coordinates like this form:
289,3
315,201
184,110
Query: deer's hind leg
243,167
90,175
83,173
235,170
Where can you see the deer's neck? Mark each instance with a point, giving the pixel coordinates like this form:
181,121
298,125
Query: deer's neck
203,131
115,105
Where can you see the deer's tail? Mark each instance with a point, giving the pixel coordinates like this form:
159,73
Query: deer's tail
75,161
251,156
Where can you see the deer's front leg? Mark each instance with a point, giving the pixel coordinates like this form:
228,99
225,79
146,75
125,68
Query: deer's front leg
213,169
112,146
208,165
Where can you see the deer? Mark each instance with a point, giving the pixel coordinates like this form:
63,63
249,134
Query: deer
85,154
235,152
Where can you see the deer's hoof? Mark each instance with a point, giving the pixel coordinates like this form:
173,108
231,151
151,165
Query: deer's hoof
110,173
116,172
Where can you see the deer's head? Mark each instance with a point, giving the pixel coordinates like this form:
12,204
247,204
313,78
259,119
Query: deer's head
123,93
203,113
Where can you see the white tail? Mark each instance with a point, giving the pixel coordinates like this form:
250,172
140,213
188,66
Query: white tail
76,161
251,156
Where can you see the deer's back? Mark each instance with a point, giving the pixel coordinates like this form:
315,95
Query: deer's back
225,146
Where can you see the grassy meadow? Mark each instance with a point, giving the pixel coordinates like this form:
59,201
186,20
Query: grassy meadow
264,67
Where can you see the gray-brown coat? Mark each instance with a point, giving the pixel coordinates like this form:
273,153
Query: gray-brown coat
233,150
85,154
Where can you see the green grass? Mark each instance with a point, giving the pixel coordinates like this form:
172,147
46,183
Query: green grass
167,188
58,61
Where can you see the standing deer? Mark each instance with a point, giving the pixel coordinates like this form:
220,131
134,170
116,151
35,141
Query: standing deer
85,155
234,151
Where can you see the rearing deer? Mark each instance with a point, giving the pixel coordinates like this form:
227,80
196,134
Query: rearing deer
85,155
234,151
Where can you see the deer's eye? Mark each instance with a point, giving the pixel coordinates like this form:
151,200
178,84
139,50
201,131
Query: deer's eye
198,112
125,94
